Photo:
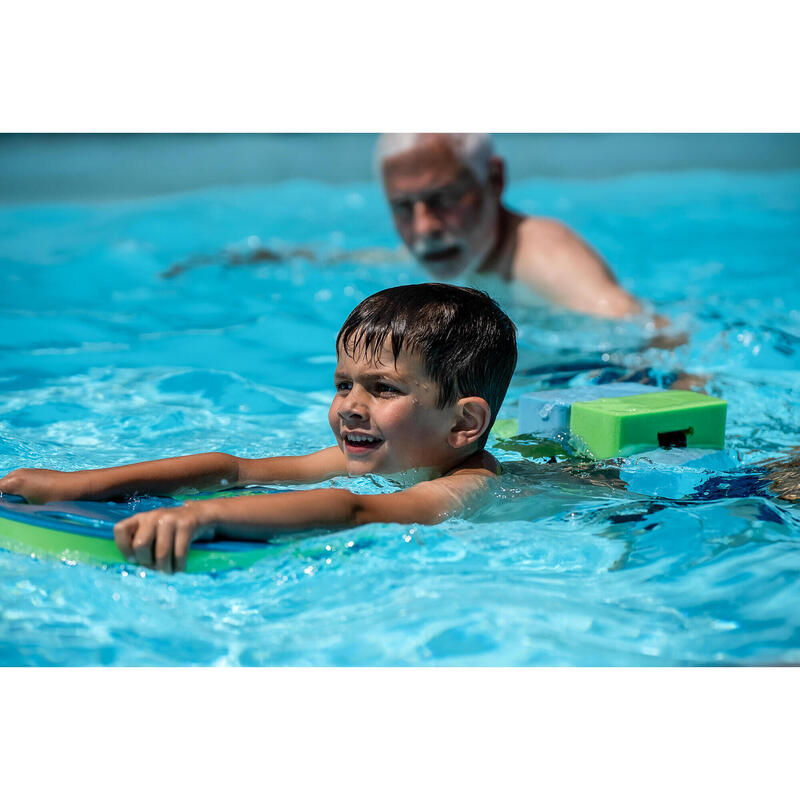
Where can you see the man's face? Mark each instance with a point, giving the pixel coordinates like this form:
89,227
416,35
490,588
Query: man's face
384,415
443,214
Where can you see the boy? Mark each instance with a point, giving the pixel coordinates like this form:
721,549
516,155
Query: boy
421,373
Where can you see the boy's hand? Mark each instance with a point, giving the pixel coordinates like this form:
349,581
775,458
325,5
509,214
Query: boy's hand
161,538
42,485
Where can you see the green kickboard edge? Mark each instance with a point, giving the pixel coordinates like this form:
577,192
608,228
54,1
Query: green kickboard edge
621,426
33,540
37,541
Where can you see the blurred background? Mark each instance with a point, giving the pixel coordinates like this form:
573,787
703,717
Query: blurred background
137,323
65,167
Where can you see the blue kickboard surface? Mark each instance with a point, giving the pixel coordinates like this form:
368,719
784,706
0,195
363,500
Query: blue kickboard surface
97,518
673,473
547,413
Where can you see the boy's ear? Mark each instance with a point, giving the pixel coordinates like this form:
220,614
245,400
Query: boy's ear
471,421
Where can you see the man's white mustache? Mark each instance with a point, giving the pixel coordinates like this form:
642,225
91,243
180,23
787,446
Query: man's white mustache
425,249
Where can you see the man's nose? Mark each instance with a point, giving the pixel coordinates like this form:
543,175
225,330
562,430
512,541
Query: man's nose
425,222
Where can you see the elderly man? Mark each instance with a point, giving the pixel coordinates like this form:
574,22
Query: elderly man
445,192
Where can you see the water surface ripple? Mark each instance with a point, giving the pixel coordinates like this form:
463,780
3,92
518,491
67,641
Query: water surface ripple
105,360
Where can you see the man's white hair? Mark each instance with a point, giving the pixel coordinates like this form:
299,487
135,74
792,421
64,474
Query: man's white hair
473,150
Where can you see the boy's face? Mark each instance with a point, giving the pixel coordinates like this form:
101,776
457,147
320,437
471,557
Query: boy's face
384,415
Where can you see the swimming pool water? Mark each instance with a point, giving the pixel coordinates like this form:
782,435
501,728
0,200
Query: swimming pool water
104,361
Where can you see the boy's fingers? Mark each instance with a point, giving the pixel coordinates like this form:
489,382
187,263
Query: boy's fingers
183,537
124,532
143,540
165,537
156,539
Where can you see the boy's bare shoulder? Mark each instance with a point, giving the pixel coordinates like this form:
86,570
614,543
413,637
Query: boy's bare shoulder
482,463
434,500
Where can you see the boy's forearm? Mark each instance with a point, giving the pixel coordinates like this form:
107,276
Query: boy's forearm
162,537
256,516
165,476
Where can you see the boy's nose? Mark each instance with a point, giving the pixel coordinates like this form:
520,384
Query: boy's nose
353,407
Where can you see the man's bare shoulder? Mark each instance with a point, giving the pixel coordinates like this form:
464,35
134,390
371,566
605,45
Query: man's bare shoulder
541,238
557,263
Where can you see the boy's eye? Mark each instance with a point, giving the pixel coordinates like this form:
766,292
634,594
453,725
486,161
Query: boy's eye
343,386
385,388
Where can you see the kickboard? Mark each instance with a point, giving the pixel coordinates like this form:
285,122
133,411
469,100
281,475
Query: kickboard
83,532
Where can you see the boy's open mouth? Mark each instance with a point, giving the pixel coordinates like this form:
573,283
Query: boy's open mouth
360,442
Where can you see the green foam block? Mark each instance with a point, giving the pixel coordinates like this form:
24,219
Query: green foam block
505,428
622,426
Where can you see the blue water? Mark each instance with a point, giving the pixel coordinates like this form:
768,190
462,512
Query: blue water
104,361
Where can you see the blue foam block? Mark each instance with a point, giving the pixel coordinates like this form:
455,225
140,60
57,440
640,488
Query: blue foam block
547,413
673,473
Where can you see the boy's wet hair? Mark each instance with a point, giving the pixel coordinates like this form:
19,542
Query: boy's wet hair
467,345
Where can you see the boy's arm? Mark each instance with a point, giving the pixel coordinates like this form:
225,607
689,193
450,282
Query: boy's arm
311,468
169,475
161,538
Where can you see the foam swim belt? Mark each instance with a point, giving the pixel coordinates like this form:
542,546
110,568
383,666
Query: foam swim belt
82,531
619,419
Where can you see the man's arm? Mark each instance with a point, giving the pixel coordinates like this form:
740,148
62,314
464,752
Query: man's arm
784,475
557,264
263,255
169,475
161,538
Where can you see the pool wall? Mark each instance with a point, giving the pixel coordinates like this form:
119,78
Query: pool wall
84,167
